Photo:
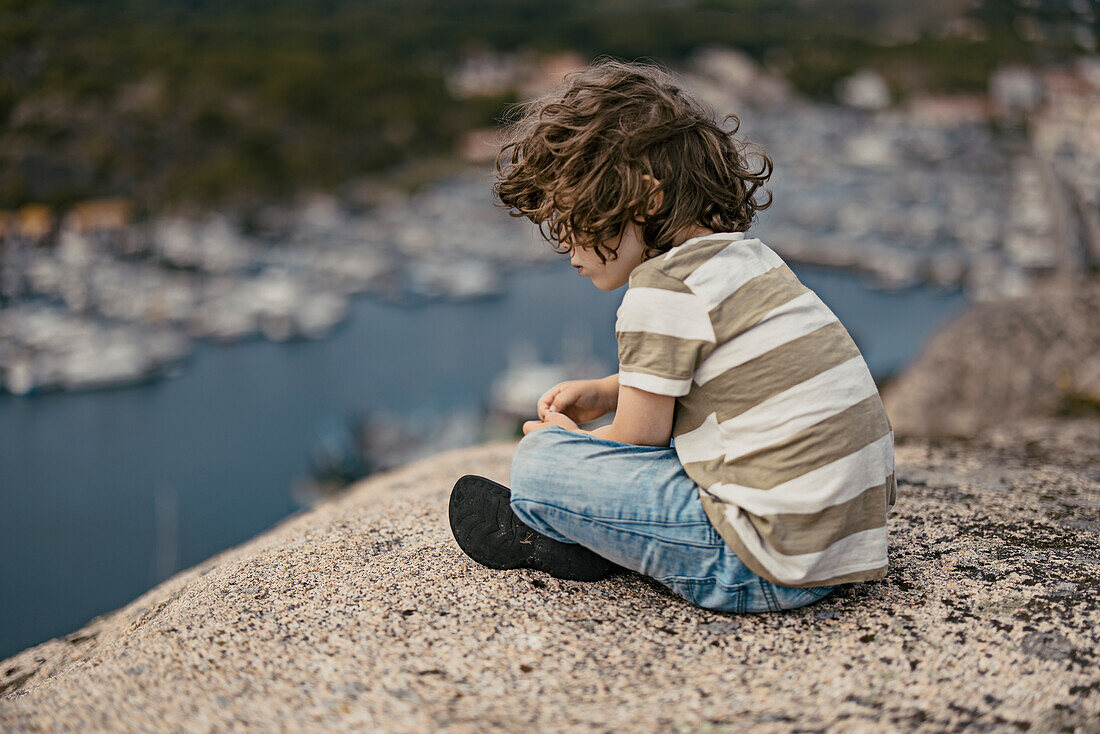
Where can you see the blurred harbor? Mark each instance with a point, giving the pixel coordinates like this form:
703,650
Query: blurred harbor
980,192
88,306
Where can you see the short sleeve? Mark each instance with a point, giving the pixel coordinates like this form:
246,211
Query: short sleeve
660,334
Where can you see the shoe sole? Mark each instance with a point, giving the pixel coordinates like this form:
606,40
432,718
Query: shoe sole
488,531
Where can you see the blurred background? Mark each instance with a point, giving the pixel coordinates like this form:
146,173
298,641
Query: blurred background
248,252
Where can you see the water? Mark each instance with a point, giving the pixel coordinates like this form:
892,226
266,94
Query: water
103,494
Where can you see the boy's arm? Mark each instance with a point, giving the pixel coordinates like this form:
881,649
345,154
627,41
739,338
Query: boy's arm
610,385
641,418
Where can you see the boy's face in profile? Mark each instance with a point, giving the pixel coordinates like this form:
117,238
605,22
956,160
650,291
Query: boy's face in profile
614,273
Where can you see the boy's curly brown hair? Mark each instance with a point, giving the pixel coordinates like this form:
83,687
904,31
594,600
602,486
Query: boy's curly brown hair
574,160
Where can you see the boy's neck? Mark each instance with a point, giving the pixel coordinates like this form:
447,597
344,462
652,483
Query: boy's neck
687,233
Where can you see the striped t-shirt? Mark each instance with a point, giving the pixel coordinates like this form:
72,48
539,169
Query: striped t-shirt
777,417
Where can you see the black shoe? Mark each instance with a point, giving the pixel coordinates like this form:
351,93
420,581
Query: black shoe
490,533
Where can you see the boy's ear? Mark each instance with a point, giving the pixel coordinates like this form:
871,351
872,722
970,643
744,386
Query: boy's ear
659,198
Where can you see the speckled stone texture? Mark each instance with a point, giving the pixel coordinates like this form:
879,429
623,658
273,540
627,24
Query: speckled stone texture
1004,361
364,613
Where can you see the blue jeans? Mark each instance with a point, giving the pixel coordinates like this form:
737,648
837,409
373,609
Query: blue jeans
635,506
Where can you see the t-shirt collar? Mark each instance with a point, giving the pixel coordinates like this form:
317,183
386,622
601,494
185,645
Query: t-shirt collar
731,236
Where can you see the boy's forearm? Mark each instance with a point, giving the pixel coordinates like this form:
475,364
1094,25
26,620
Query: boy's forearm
608,432
648,422
611,391
602,432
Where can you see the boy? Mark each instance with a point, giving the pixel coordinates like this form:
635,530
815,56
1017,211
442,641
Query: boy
749,466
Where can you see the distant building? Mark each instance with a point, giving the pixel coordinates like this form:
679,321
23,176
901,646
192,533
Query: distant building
1015,90
548,72
98,215
1088,67
480,146
35,221
489,74
726,77
949,109
866,90
484,74
727,65
1065,130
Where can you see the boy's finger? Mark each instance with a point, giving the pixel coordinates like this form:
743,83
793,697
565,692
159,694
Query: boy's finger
547,399
562,400
561,419
546,407
529,426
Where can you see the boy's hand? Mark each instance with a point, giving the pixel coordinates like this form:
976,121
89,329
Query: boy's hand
553,418
578,400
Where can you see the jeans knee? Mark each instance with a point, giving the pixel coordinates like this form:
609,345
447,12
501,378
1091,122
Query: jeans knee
522,470
524,508
533,458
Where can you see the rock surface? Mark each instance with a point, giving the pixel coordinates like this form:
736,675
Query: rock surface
364,613
1002,361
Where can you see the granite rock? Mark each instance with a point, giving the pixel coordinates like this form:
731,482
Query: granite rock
1037,355
363,613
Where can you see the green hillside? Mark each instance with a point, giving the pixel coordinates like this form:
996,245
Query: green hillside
194,100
